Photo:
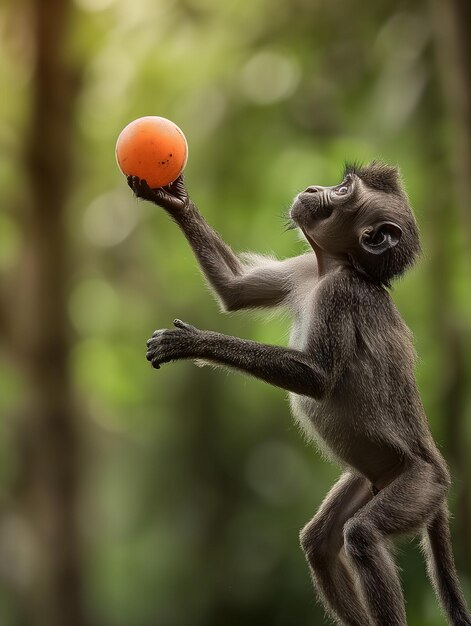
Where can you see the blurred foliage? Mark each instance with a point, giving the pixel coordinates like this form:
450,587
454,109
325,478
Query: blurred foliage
196,482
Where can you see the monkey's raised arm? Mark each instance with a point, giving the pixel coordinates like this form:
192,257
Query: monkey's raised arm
260,282
256,282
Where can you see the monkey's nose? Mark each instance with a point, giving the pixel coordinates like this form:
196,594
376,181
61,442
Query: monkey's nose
313,189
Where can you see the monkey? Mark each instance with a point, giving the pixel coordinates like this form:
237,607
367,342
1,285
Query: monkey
349,371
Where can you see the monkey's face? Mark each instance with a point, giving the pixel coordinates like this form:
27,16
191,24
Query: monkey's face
317,203
365,219
326,215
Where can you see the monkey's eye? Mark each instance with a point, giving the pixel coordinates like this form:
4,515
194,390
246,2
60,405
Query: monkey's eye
341,191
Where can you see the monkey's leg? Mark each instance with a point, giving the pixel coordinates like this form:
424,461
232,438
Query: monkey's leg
322,541
403,506
442,570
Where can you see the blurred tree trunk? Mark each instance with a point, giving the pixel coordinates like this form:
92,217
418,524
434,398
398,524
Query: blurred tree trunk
451,20
48,446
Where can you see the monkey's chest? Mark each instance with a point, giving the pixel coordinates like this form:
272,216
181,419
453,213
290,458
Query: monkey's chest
330,422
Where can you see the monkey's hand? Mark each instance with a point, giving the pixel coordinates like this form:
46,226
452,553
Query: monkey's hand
173,197
169,345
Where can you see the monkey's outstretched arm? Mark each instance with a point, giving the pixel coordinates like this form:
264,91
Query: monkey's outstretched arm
292,370
312,371
259,282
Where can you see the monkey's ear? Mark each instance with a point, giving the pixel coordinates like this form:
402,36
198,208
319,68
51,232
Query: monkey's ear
380,238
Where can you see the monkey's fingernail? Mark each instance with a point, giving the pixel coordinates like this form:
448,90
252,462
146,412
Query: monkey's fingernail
149,355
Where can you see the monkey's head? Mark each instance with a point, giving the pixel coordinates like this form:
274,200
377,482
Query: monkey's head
366,220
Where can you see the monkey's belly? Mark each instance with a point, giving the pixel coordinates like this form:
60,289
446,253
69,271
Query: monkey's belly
341,438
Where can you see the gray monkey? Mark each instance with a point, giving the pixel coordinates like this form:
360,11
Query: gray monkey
349,371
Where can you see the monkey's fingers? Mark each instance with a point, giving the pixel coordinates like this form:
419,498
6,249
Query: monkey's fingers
151,354
155,334
153,362
171,197
184,326
152,357
162,347
144,191
133,182
167,200
178,188
140,188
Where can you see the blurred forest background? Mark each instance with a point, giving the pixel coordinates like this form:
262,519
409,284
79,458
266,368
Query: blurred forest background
130,497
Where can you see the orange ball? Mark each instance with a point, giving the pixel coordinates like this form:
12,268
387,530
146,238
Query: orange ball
152,148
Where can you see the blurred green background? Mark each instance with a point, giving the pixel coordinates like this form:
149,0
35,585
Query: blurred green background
130,497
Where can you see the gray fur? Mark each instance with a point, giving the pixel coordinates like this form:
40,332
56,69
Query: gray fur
349,369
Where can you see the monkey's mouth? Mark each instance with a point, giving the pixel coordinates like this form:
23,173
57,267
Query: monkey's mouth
308,207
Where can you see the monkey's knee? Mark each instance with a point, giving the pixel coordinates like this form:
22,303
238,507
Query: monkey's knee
317,545
359,539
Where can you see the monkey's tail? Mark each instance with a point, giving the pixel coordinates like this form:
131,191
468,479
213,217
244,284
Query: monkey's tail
442,570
